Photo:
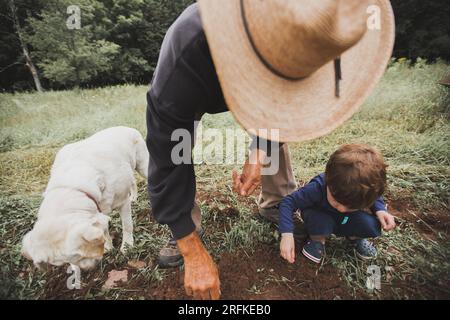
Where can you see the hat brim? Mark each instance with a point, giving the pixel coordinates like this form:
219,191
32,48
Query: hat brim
304,109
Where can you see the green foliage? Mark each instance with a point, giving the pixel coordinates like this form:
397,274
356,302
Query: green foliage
70,57
120,40
423,29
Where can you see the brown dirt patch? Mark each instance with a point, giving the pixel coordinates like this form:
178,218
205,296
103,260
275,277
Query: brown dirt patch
263,275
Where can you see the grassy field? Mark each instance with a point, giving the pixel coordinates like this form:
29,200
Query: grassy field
407,118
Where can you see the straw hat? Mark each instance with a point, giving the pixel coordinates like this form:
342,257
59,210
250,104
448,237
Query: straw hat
278,60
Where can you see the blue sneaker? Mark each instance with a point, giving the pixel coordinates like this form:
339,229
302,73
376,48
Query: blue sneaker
364,249
314,251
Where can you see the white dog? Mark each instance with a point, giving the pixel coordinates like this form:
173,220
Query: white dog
88,180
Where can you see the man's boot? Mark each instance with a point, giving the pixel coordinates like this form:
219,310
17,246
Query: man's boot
170,256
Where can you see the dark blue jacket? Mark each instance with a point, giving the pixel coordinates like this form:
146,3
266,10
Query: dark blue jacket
314,194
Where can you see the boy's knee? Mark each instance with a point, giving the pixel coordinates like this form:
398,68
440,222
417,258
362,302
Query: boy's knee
318,223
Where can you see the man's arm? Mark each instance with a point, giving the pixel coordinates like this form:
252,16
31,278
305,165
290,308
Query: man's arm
263,144
171,186
172,191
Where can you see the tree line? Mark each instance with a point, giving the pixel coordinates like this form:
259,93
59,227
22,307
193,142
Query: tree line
43,44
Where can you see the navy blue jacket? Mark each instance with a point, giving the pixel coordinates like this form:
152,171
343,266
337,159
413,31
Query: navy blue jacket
314,194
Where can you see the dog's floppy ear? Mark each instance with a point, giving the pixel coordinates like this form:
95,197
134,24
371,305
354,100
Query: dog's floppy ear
93,234
101,220
94,238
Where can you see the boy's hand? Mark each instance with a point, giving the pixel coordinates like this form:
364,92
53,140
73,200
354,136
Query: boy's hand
287,247
386,219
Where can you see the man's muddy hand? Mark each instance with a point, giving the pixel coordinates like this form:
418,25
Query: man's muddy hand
201,277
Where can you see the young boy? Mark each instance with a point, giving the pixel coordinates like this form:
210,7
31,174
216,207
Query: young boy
335,202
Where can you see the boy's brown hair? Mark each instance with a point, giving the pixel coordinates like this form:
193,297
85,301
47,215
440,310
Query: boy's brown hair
356,175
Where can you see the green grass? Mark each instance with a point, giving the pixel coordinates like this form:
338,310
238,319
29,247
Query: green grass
407,118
